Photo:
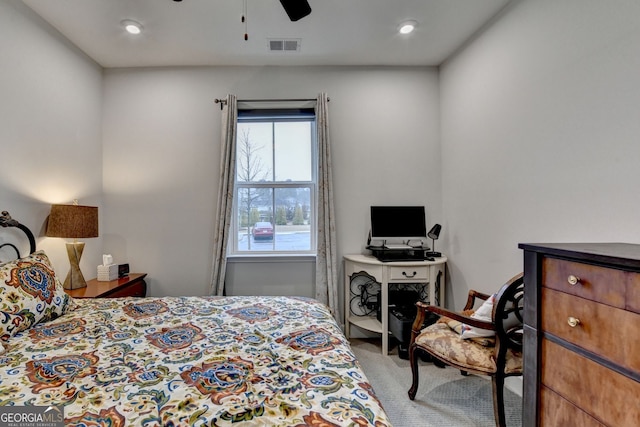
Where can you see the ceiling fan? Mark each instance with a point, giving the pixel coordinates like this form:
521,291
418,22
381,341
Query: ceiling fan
296,9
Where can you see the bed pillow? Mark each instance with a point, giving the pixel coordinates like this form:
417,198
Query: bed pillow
482,313
30,293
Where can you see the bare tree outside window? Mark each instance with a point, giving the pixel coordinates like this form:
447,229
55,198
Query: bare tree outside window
250,168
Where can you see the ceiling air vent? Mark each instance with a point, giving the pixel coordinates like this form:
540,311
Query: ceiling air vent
284,45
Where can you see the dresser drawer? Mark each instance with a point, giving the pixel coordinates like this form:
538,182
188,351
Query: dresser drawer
605,285
601,329
600,391
137,289
408,274
556,411
633,293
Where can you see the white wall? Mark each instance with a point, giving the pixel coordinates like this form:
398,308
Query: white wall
156,131
540,131
50,130
161,155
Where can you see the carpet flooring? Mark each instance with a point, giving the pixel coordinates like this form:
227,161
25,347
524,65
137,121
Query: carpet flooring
445,398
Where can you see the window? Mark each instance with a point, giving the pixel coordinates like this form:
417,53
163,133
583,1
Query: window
274,204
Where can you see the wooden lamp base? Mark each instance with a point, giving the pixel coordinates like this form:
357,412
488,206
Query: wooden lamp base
75,279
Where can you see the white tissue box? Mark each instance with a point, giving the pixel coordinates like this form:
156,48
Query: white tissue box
107,273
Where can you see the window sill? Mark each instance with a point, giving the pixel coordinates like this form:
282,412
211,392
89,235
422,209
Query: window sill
271,258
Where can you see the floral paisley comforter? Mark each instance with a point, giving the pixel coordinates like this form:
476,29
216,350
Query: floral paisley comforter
191,361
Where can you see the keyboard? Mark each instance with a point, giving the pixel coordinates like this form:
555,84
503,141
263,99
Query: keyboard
398,246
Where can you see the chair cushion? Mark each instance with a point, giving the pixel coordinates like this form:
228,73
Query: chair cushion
456,326
441,341
483,313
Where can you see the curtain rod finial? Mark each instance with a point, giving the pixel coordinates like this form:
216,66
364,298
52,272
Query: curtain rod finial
222,102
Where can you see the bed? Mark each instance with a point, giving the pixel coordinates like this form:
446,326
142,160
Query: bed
176,361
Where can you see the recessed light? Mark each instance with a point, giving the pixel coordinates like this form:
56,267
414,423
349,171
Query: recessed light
407,27
132,27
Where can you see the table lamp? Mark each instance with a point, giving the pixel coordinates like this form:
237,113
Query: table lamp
433,234
73,222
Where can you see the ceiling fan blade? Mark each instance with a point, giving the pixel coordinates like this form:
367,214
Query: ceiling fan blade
296,9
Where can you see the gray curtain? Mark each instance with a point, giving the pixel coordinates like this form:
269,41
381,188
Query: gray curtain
225,195
326,260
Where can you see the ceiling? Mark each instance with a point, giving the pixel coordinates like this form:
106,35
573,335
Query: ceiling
210,32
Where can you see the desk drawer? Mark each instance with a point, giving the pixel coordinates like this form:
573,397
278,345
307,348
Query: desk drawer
588,385
408,274
605,285
604,330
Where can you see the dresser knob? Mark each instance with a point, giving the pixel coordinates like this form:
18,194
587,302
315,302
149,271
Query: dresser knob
573,322
573,280
409,276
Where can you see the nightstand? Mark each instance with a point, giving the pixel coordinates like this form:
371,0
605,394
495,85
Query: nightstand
132,285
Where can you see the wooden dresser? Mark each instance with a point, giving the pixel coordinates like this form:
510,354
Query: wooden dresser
132,285
581,335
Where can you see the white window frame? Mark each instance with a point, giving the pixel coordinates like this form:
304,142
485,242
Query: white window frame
271,116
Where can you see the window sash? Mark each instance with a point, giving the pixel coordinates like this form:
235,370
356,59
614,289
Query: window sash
238,237
273,159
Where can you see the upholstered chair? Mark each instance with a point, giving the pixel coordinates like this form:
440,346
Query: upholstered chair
482,341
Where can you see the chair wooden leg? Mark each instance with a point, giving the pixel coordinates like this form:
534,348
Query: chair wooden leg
498,400
413,361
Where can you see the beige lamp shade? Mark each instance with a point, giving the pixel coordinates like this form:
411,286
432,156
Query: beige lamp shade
73,221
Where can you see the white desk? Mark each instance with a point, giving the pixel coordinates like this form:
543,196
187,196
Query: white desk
421,272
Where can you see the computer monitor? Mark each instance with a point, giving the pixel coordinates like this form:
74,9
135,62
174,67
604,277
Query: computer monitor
398,223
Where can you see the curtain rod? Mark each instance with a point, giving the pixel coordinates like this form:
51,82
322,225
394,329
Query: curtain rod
276,100
224,101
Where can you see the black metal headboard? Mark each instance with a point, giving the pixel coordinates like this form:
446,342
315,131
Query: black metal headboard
7,221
